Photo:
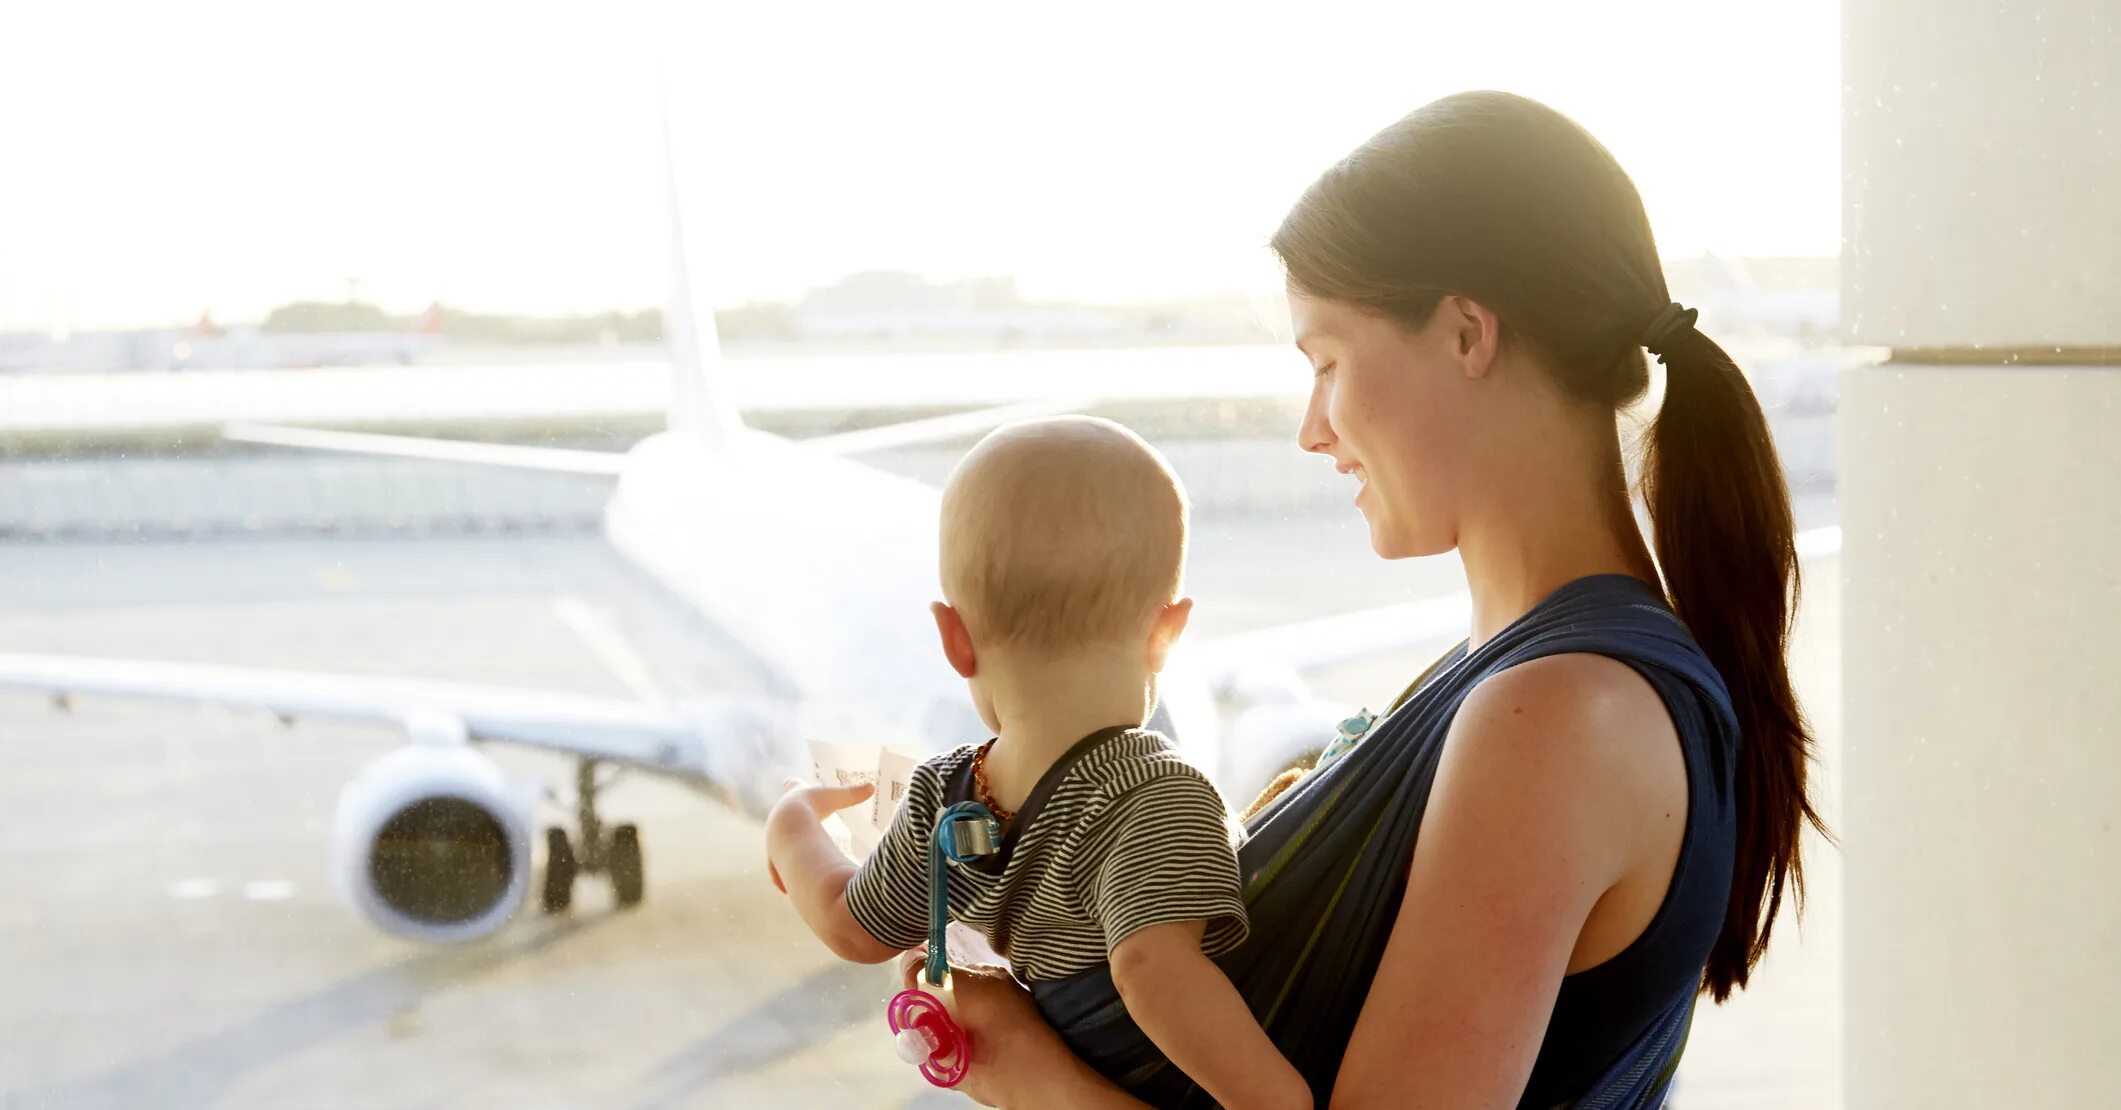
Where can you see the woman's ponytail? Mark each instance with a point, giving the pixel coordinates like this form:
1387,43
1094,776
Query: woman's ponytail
1727,546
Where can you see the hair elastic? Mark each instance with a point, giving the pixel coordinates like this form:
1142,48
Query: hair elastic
1670,323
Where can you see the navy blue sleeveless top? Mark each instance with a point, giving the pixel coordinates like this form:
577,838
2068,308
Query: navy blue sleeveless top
1602,1010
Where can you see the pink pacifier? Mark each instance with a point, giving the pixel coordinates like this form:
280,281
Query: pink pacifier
921,1025
926,1035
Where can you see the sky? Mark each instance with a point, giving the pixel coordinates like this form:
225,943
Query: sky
226,157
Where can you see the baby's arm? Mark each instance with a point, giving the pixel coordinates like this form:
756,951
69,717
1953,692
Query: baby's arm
1164,876
814,872
1194,1014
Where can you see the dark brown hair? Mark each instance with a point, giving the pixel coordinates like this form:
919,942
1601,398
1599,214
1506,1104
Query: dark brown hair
1509,203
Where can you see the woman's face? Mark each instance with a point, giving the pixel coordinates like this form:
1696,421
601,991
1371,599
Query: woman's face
1393,407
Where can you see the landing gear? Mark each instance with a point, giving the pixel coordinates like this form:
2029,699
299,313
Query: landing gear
625,866
618,854
560,869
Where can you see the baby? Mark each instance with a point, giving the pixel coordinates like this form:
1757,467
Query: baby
1063,549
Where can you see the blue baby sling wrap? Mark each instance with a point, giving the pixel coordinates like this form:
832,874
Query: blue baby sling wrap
1324,867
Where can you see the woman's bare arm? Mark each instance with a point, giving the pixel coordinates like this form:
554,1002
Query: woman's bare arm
1527,826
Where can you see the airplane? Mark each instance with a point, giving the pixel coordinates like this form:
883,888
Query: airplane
818,567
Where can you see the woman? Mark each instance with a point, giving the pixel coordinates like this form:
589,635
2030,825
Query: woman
1589,812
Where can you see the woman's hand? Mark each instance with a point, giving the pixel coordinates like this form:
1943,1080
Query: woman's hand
1016,1057
1004,1024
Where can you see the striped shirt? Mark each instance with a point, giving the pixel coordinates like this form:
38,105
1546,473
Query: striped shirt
1119,834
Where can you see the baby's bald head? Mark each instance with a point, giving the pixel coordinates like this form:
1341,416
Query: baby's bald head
1060,533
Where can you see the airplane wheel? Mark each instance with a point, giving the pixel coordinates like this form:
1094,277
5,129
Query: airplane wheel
627,879
560,870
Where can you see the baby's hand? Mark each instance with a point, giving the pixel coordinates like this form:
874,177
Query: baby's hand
817,802
823,801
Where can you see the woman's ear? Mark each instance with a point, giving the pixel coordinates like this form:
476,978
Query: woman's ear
1170,625
1473,332
957,640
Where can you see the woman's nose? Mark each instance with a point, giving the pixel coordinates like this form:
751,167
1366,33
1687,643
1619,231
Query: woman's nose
1315,434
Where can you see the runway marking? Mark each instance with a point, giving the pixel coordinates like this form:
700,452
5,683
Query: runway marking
191,890
268,890
596,631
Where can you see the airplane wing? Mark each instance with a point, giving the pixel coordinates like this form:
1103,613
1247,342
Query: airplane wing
559,460
565,460
648,737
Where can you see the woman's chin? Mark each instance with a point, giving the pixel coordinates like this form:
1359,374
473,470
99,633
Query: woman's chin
1389,551
1384,541
1395,543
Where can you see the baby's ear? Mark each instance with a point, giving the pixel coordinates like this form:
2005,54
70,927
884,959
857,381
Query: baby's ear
957,640
1170,625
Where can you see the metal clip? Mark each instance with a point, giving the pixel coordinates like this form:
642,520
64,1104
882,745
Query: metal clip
970,835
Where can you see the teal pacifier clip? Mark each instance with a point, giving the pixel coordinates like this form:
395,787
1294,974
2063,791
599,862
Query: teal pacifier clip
1349,733
965,832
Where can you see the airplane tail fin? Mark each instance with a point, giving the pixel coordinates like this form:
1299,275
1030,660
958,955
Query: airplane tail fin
700,404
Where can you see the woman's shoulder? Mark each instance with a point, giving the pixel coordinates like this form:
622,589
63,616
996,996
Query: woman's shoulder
1577,692
1577,729
1616,624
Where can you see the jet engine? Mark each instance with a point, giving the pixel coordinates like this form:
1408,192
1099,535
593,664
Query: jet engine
432,843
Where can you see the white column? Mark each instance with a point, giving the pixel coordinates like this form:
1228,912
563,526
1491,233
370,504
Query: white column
1981,507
